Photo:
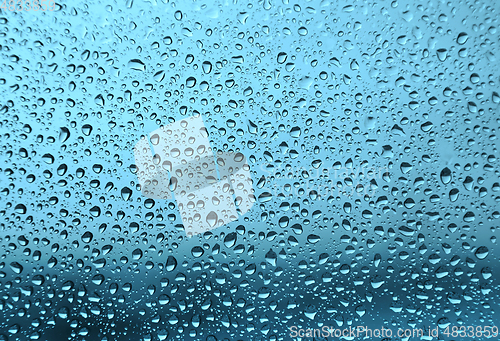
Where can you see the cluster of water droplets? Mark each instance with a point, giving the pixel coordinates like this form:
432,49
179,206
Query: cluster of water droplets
370,131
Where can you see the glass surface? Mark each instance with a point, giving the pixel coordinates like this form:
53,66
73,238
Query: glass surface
249,170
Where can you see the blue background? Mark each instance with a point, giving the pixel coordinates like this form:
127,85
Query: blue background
391,99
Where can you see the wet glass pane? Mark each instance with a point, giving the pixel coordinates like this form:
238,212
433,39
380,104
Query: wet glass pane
249,170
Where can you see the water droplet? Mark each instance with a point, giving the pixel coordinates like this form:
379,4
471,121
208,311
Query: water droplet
445,175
